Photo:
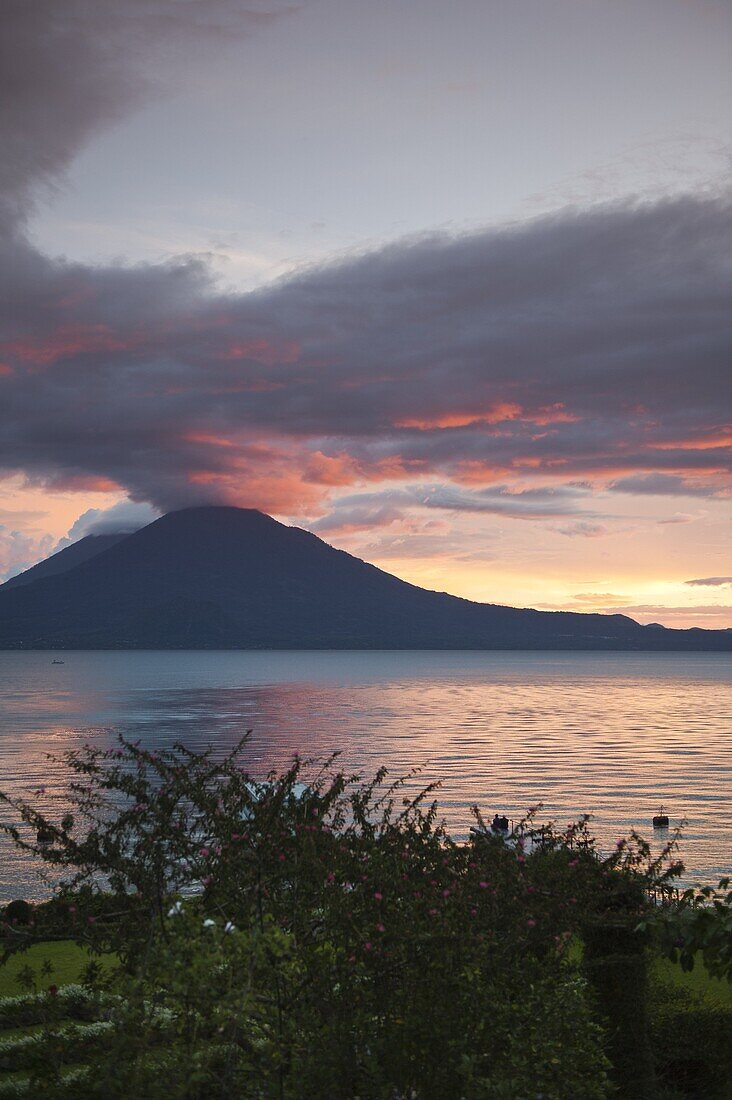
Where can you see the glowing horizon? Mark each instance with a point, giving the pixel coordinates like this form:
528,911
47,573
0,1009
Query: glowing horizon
435,289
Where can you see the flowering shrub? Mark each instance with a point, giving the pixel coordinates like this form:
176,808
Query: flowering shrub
312,935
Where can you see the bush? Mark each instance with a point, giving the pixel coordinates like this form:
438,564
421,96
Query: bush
692,1042
18,912
616,967
70,1001
313,935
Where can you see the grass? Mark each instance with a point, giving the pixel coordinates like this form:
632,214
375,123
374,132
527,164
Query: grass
67,959
697,981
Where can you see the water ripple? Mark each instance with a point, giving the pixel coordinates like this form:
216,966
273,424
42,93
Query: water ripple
614,735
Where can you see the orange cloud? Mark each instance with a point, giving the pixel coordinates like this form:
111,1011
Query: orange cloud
66,340
330,470
496,414
208,440
704,443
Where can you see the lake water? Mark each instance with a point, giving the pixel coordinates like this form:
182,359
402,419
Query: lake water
610,734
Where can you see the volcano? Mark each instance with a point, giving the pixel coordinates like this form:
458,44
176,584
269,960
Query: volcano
234,578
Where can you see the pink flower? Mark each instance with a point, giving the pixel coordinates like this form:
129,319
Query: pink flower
207,880
378,896
380,928
531,922
446,893
91,920
474,912
574,863
367,946
484,885
204,852
433,912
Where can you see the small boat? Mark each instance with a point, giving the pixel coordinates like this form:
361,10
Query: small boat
499,824
660,821
55,662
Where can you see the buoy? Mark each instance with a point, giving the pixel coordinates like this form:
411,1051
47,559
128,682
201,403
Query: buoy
660,821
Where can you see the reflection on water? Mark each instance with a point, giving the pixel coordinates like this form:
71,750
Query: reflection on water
610,734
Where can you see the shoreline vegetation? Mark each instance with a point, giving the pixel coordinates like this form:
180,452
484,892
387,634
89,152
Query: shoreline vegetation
318,935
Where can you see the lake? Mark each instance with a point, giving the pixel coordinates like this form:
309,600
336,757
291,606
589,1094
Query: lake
611,734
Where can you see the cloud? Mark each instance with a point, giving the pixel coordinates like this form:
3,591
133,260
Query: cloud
603,599
669,485
706,616
678,517
122,518
583,530
70,69
19,550
361,511
587,345
503,500
711,582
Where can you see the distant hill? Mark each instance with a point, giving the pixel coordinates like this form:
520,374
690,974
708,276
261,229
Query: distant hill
65,559
233,578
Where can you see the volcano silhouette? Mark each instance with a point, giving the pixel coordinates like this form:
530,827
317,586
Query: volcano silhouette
234,578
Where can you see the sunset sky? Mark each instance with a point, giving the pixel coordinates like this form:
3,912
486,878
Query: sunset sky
448,284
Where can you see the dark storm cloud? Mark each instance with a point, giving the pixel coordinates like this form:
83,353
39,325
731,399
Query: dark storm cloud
584,345
593,345
70,67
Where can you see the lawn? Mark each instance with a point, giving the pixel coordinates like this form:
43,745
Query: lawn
67,959
696,981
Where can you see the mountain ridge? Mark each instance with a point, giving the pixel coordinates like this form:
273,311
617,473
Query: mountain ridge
66,558
232,578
